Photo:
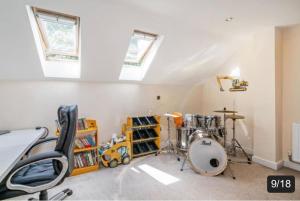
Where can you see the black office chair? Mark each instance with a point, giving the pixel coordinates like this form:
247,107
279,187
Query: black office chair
42,171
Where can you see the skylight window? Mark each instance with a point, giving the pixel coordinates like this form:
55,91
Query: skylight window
139,46
59,34
141,51
57,39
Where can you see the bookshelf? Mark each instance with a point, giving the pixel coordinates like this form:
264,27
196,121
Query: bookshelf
143,134
86,147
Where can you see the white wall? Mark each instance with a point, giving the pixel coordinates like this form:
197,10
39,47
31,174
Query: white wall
256,61
290,85
29,104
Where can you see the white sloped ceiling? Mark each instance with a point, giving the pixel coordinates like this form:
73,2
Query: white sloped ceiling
197,40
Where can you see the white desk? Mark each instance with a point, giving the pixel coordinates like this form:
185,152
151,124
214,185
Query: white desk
14,145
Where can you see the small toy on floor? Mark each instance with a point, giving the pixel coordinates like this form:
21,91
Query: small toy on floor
115,152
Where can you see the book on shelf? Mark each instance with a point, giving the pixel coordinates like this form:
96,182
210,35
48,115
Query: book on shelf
82,124
85,142
85,159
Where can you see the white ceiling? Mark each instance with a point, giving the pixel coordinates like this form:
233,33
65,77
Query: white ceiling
197,40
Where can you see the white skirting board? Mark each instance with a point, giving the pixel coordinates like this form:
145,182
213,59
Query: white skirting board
296,142
292,165
270,164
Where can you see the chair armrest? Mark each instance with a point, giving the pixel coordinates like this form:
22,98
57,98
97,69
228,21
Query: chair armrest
41,141
46,131
53,155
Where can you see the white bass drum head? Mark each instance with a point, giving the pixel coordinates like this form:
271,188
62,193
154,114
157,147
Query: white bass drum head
207,157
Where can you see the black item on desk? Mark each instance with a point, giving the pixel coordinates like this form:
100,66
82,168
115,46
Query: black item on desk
4,132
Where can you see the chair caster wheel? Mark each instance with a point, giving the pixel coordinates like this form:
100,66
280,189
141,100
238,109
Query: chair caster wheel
178,159
69,192
181,170
233,178
249,162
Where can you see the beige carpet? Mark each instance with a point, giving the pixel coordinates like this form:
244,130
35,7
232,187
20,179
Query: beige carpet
159,177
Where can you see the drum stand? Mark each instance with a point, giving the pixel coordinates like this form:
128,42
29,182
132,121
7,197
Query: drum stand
169,148
185,155
235,144
224,144
229,169
225,131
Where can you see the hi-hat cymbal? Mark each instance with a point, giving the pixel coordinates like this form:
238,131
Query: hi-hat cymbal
235,116
225,111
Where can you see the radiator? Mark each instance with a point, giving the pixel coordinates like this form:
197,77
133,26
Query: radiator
296,142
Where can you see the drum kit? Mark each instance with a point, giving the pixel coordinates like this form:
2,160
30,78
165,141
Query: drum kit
201,139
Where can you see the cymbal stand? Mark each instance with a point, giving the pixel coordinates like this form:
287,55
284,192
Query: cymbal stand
224,144
169,148
225,131
235,144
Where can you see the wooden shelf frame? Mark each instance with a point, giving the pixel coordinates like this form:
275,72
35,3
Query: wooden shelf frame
128,129
78,171
77,150
92,130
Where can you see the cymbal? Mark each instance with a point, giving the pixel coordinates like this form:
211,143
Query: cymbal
225,111
235,116
171,115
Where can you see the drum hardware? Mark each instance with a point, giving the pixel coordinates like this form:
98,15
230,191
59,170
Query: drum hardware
229,169
225,111
234,142
169,148
184,136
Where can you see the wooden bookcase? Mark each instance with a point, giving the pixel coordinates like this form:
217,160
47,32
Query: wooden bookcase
143,134
90,130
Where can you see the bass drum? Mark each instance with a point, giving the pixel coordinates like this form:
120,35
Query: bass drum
206,156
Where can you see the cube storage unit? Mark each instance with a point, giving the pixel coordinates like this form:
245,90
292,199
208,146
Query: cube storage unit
143,134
